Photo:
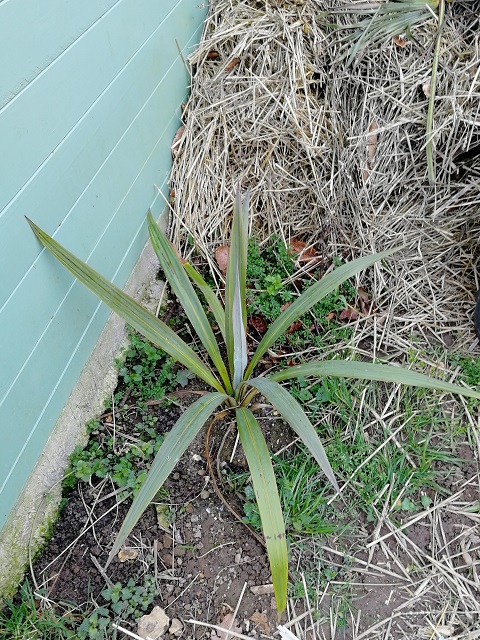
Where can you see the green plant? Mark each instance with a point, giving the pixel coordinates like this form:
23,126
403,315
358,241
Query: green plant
130,601
25,618
233,381
95,626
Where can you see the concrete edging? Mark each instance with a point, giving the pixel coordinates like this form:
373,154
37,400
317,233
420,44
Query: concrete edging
36,510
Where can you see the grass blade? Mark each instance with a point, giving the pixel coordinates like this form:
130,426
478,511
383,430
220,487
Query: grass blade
174,445
183,289
212,300
371,371
309,298
293,413
129,309
266,493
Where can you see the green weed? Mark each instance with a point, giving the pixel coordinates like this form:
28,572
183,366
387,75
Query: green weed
25,618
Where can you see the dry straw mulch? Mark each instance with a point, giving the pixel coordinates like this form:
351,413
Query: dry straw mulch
335,155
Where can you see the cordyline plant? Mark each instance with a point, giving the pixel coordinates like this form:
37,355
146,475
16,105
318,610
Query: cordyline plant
234,383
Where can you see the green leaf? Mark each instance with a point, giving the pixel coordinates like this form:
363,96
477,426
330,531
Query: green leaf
309,298
293,413
212,300
183,289
174,445
371,371
268,501
235,292
129,309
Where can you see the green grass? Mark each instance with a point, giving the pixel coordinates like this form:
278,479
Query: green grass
25,619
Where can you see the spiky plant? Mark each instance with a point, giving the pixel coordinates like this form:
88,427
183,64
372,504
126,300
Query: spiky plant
234,383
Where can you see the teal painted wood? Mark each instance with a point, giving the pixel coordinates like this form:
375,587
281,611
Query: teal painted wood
87,138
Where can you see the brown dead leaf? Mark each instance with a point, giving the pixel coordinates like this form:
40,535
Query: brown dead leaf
400,42
222,254
258,322
348,314
176,141
127,553
261,620
365,301
213,55
295,326
330,316
285,306
232,64
305,254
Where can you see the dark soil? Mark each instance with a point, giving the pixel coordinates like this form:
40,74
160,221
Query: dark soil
202,561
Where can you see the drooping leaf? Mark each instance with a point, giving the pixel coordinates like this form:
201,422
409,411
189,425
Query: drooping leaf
293,413
309,298
266,493
183,289
174,445
370,371
129,309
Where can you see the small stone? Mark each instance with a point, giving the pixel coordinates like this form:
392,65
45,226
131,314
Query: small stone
262,589
204,495
154,624
167,542
179,561
167,559
176,627
127,553
189,508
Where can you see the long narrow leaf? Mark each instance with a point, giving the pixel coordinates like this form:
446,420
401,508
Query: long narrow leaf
309,298
371,371
293,413
183,289
235,293
129,309
174,445
268,501
212,300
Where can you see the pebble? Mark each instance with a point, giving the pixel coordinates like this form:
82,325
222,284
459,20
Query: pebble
204,495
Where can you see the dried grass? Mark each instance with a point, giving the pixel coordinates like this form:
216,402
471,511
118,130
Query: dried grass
336,154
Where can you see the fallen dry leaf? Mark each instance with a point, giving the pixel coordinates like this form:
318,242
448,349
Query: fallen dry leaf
176,141
232,64
213,55
258,322
295,326
348,314
222,254
400,42
305,254
127,554
330,316
365,301
426,89
261,620
285,306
